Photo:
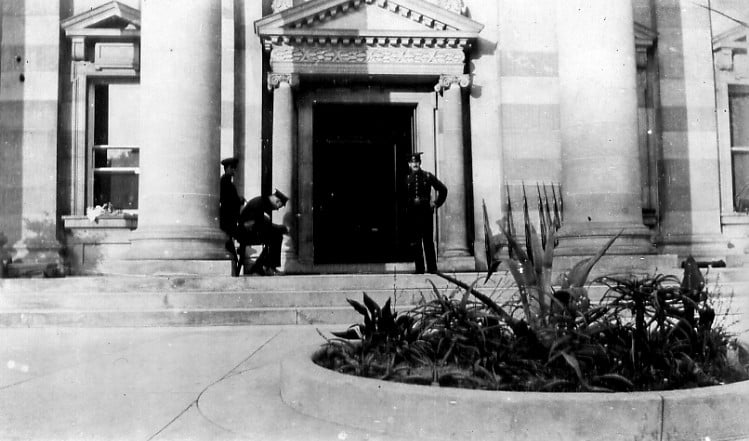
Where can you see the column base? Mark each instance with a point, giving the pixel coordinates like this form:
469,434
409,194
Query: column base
177,243
703,247
160,267
33,251
458,264
34,257
586,239
646,264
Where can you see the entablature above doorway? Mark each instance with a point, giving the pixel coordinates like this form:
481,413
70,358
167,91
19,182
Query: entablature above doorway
372,37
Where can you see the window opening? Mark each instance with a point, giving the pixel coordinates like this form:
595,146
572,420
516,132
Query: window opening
115,151
738,109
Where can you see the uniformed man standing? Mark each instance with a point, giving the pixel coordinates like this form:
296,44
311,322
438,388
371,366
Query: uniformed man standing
230,203
420,209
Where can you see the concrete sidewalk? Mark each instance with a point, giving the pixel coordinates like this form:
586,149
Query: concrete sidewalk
185,383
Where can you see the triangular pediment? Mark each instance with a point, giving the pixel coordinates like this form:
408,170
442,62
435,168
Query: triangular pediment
109,19
735,38
367,18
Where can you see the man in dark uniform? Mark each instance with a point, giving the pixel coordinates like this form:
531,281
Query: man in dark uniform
230,204
420,209
255,223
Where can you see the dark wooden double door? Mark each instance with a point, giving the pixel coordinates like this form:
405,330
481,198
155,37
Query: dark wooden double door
360,165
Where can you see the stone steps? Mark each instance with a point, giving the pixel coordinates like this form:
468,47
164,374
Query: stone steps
177,300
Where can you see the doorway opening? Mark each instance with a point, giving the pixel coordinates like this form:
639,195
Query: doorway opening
360,154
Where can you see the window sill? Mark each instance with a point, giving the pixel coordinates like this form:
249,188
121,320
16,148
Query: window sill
118,221
735,219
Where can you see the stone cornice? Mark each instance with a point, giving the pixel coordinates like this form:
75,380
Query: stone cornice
372,39
644,42
729,43
298,44
314,12
456,6
96,22
644,36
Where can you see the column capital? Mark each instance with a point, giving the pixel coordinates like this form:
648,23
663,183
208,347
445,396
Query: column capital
446,81
275,80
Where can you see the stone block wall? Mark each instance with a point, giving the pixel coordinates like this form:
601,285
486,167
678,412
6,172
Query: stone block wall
29,44
690,191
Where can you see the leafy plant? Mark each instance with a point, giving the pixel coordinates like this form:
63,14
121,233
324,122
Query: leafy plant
646,333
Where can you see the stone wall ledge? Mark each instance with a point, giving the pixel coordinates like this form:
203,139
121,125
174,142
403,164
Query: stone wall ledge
434,413
128,221
735,219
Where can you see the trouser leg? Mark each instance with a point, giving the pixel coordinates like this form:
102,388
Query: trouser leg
420,237
273,245
428,239
235,263
418,256
430,254
262,259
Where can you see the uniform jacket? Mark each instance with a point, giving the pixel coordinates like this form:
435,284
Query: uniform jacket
229,204
420,185
256,210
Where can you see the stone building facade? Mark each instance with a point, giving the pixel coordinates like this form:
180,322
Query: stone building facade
115,115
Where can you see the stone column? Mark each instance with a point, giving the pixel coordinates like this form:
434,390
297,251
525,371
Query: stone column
598,121
284,159
690,197
181,98
30,46
453,237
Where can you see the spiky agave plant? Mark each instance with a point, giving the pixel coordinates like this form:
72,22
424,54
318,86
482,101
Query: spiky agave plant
646,330
531,268
671,336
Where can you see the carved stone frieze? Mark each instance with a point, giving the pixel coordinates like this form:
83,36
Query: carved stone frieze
362,55
275,80
448,80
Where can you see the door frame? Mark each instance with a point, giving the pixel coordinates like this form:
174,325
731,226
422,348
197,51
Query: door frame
425,103
374,184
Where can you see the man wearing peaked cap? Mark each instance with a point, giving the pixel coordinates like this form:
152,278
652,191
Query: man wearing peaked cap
415,157
281,197
256,221
230,204
420,212
233,161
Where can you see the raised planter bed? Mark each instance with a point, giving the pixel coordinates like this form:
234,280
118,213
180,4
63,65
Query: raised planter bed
434,413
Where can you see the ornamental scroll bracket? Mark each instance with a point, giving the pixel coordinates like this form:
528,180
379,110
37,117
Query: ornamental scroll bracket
275,80
447,81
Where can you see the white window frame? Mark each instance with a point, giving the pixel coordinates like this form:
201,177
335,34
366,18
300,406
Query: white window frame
91,171
725,82
731,64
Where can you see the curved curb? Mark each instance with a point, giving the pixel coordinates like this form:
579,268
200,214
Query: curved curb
449,413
